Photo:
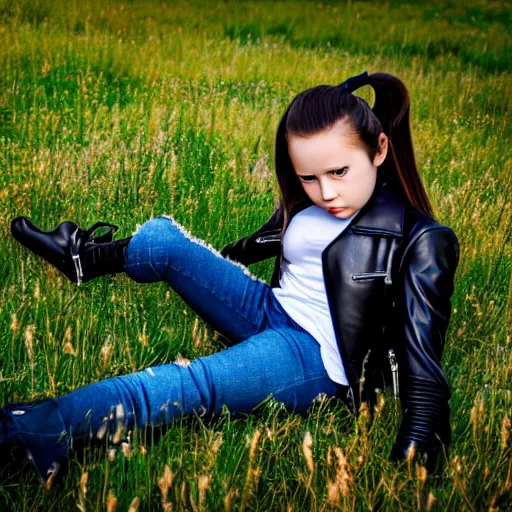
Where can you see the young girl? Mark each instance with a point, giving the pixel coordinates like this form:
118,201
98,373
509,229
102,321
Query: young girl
361,286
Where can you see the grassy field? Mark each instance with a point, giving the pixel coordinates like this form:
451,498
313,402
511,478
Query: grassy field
120,111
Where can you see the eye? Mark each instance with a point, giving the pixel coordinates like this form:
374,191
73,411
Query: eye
306,179
340,172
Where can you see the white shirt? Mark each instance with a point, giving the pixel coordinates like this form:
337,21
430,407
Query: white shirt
302,293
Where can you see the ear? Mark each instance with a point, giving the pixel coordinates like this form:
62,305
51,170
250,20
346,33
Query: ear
383,151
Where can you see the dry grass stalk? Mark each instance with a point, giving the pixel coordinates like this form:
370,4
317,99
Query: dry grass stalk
165,482
83,491
379,406
69,349
83,482
14,323
430,502
344,478
362,422
506,426
143,337
228,499
37,291
333,493
112,502
126,450
196,334
103,429
68,334
181,361
204,483
29,341
105,352
421,475
217,443
49,482
134,505
120,430
254,445
307,449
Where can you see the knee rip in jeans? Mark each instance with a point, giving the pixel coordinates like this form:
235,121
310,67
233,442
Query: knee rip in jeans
203,243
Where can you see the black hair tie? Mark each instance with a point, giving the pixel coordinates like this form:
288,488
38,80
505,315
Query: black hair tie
353,83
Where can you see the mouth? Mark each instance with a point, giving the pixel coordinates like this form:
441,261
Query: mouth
336,210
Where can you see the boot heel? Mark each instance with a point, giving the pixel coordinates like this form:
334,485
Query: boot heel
36,431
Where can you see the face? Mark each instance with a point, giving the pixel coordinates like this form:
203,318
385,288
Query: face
334,171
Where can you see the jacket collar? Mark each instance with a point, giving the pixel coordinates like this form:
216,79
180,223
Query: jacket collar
383,214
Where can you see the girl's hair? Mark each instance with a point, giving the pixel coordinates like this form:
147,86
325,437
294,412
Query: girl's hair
318,108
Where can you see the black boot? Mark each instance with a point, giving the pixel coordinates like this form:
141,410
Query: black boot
34,431
74,251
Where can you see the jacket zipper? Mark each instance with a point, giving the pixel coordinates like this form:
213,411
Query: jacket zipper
268,238
394,371
367,275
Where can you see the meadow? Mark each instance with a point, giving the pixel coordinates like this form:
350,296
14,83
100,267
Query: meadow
123,110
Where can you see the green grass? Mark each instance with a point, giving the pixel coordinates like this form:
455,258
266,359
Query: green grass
121,111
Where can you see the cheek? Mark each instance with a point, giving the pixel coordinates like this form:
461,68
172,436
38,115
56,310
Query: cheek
311,190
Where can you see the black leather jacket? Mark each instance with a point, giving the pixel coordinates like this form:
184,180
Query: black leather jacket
389,278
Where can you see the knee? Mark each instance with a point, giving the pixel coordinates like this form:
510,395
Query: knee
154,229
154,245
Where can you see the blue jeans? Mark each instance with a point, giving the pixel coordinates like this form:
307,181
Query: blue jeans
270,353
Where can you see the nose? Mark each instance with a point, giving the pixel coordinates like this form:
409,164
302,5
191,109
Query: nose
327,190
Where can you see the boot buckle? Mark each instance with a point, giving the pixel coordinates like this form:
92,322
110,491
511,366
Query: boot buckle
78,269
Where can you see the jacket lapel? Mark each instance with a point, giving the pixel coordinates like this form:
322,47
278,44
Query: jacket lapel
357,273
382,215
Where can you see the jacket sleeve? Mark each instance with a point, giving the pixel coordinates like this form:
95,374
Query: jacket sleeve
423,313
262,244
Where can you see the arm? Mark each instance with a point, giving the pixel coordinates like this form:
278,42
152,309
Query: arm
262,244
423,313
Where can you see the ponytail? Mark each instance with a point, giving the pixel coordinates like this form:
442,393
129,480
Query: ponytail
392,109
318,108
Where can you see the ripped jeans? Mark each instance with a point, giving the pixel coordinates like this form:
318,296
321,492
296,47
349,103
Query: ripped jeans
270,353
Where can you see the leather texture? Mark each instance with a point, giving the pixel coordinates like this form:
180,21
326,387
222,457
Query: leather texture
389,277
67,240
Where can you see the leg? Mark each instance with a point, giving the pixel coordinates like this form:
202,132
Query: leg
222,292
285,363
